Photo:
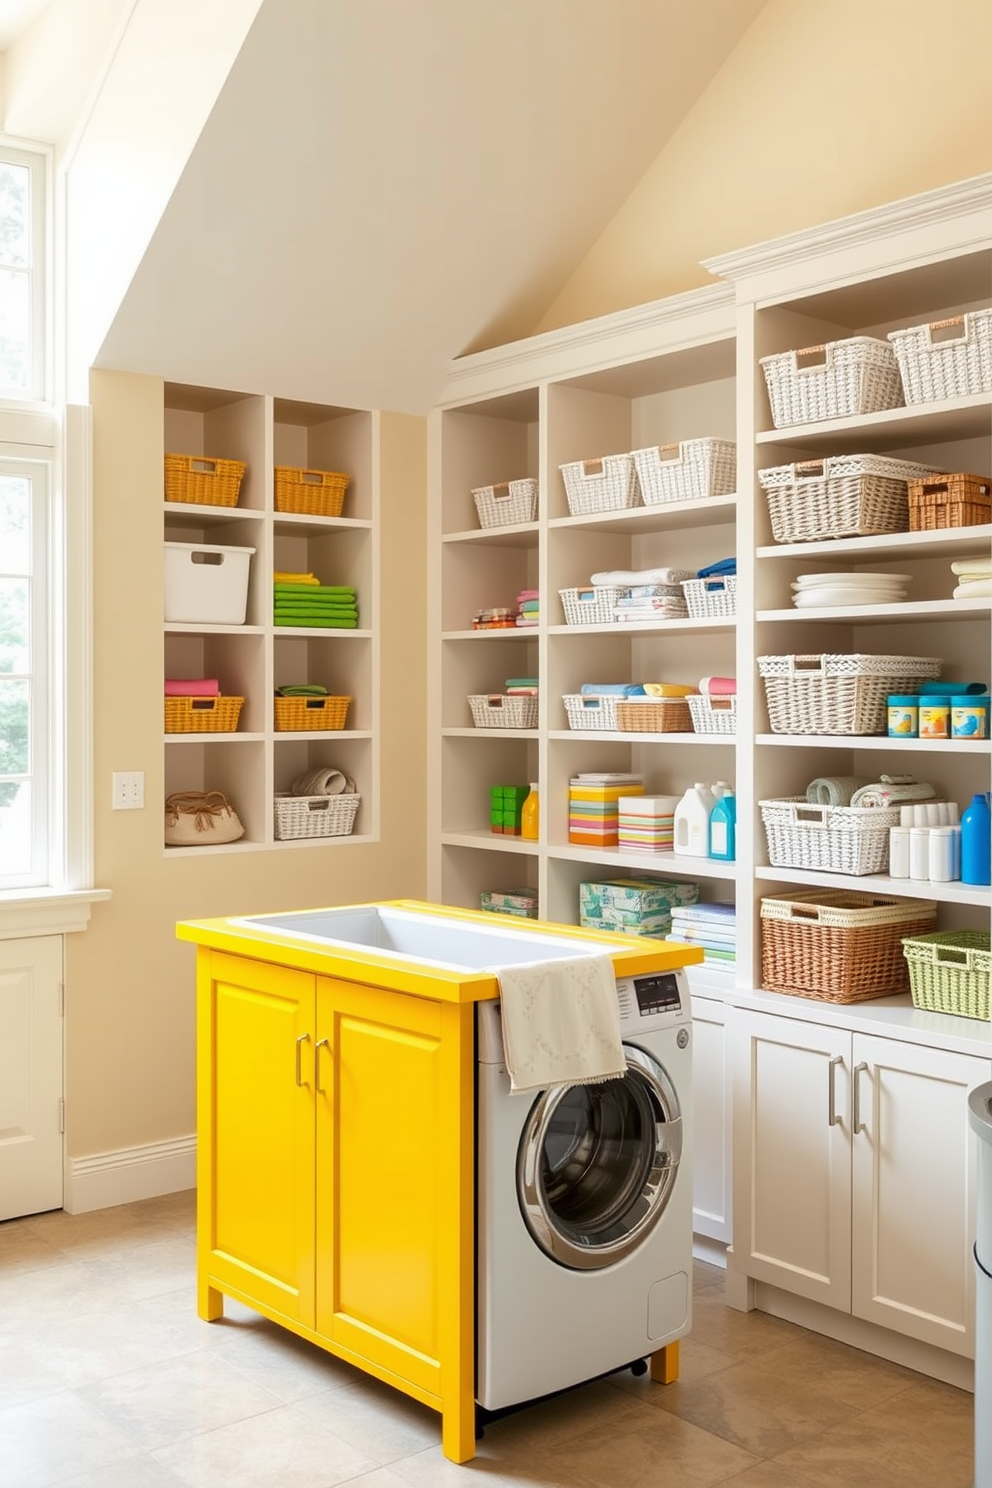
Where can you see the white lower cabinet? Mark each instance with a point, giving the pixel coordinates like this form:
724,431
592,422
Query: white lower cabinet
856,1175
711,1169
30,1075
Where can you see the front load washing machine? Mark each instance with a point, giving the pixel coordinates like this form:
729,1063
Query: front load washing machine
584,1206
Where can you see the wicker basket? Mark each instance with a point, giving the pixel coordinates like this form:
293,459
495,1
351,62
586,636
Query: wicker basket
946,359
202,715
607,484
310,493
842,378
501,710
506,503
949,501
711,599
592,606
837,694
844,496
839,946
713,715
302,714
207,482
654,716
314,816
689,471
949,972
834,839
590,711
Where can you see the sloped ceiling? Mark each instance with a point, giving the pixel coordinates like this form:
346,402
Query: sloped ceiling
385,184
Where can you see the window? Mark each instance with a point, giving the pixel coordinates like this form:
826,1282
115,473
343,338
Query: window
22,274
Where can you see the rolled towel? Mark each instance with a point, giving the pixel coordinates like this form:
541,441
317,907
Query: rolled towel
718,686
834,790
980,567
888,793
323,782
973,589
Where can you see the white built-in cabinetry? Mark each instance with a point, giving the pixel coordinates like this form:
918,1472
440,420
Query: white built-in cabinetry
254,763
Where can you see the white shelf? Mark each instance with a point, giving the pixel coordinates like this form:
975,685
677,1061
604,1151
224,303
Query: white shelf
523,536
882,614
498,633
196,514
924,423
648,627
709,512
300,524
177,627
660,862
881,883
949,541
484,733
316,632
487,841
631,736
918,747
214,736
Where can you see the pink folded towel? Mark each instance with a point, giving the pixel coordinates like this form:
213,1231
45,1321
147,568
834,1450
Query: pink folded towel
718,686
194,687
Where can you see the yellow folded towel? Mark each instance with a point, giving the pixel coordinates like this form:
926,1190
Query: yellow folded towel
294,578
669,689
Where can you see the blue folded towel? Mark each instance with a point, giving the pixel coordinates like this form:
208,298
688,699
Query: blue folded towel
715,570
612,689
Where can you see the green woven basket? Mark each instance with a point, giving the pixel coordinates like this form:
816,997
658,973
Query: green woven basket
949,972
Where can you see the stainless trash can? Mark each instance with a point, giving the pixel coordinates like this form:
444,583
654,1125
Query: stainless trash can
980,1116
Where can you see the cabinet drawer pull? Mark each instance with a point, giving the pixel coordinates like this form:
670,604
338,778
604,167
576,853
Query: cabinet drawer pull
857,1124
320,1044
832,1118
304,1038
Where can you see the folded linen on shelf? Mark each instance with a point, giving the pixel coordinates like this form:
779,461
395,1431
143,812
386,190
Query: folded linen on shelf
302,689
315,622
834,790
715,570
718,686
973,589
561,1022
980,567
192,687
888,791
295,578
624,578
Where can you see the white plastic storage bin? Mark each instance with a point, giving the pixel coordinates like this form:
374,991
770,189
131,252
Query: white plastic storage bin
206,585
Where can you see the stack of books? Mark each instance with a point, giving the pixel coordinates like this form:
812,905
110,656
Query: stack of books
593,819
712,927
646,822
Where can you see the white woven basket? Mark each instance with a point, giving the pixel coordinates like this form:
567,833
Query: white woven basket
837,694
841,378
500,710
586,711
843,496
835,839
711,599
688,471
946,359
713,715
506,503
592,606
315,816
607,484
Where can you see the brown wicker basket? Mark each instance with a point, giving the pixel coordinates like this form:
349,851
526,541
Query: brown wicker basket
655,716
949,501
202,715
310,493
839,946
301,714
205,481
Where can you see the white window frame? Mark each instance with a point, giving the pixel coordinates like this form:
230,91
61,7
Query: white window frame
38,161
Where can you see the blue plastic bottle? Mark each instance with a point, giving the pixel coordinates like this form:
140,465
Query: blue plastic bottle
976,841
723,828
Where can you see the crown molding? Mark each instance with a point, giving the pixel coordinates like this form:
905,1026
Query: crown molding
958,201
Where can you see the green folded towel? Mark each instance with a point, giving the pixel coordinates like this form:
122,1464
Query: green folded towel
302,689
311,590
315,623
294,614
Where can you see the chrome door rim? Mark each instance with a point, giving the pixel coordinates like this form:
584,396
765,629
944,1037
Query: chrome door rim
656,1189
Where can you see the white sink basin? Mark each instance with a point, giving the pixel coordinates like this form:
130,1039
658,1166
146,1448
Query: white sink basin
429,940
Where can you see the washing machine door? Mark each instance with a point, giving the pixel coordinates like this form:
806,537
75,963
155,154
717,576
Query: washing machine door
597,1164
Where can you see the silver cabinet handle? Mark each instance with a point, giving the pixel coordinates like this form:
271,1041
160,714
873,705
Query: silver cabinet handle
304,1038
320,1044
832,1118
857,1124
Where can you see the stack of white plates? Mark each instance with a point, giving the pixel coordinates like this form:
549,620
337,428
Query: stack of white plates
813,591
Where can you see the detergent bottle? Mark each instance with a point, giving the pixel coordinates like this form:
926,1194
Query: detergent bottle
692,821
530,816
976,837
723,827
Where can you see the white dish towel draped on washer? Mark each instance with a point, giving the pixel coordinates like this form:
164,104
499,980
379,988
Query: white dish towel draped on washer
561,1022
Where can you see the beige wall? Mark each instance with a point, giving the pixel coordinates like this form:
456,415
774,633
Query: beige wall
129,983
825,107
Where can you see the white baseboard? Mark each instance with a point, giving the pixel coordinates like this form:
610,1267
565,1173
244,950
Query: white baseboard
109,1178
713,1251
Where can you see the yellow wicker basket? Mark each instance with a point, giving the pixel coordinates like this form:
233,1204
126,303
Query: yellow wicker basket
205,481
202,715
301,714
310,493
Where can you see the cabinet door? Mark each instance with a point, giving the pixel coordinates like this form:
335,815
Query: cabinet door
394,1179
256,1131
792,1212
711,1127
914,1191
30,1076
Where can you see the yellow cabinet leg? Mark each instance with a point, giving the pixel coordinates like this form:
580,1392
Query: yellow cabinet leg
209,1302
665,1364
458,1427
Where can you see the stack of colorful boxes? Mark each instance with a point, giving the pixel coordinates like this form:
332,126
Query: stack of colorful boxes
505,805
647,822
634,906
520,902
593,818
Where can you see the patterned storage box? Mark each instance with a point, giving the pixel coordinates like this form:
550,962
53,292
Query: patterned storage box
506,503
689,471
946,359
519,902
607,484
841,378
634,906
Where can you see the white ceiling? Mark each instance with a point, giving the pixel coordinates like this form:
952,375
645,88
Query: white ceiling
386,184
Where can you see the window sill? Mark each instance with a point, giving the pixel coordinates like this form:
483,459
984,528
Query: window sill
26,912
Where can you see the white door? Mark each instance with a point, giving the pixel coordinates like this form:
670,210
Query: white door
711,1084
792,1156
914,1191
30,1076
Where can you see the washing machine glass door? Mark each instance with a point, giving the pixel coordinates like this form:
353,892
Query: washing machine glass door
597,1163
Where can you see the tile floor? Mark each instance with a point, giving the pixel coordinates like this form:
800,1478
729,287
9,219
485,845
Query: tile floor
109,1380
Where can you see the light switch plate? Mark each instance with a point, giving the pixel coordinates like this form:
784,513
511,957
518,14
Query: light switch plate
129,790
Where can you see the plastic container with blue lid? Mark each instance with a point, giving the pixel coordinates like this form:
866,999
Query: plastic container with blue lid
903,714
969,717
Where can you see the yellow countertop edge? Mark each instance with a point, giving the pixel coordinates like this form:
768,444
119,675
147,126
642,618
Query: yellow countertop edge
632,956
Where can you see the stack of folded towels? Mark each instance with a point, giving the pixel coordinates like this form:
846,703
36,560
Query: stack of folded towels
302,600
192,687
647,593
528,607
974,578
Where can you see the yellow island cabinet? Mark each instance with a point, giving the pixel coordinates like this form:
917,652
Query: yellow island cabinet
336,1142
